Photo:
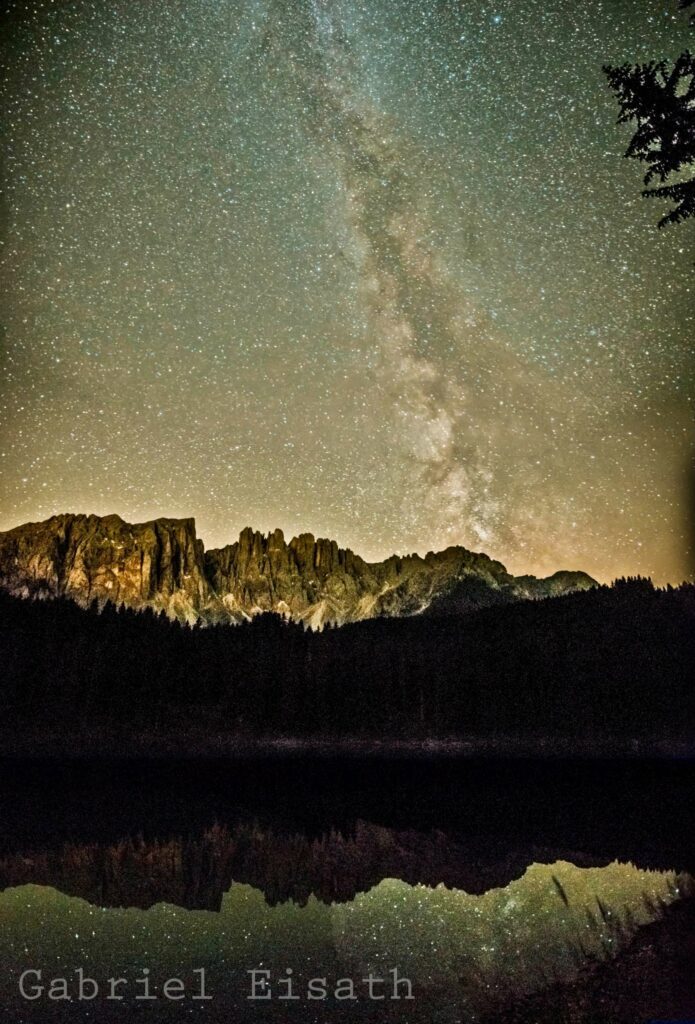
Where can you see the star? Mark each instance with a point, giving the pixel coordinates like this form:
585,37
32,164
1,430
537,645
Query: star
371,271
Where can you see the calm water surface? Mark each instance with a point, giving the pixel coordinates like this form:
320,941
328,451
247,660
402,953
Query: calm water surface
479,884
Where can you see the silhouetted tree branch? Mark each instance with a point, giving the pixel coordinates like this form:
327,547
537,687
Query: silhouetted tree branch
661,100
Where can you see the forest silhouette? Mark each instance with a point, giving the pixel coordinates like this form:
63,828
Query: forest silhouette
612,663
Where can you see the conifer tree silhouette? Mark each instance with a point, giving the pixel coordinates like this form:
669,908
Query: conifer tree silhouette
660,98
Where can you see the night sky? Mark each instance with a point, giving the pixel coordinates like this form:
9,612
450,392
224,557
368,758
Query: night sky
374,270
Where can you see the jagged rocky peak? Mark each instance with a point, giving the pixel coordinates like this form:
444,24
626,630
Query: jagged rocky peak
162,564
308,579
88,557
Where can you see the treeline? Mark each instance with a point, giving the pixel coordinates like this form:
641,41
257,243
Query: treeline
610,662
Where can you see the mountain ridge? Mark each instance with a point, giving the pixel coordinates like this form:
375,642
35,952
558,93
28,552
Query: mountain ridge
163,565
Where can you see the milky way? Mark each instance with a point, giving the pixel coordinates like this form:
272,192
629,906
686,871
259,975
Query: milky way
374,270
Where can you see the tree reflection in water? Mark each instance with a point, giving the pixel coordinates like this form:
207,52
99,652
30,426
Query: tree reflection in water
468,955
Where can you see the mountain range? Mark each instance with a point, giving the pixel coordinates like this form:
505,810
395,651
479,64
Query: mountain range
163,565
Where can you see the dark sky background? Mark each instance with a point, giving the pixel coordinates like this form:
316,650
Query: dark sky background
374,270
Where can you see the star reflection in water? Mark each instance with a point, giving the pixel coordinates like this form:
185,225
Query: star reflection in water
466,956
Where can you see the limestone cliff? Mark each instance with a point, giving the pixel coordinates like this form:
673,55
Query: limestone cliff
157,564
163,565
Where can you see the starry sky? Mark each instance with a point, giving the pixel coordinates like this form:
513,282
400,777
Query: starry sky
374,270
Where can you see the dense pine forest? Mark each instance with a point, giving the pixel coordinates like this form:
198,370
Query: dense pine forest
611,663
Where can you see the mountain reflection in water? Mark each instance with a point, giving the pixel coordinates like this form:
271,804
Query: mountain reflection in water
467,955
195,872
337,868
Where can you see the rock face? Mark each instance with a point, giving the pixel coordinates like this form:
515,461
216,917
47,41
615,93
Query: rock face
157,564
163,565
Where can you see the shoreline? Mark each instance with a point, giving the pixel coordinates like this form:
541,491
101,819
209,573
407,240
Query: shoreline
167,746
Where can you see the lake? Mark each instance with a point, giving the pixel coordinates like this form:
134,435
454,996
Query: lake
338,889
